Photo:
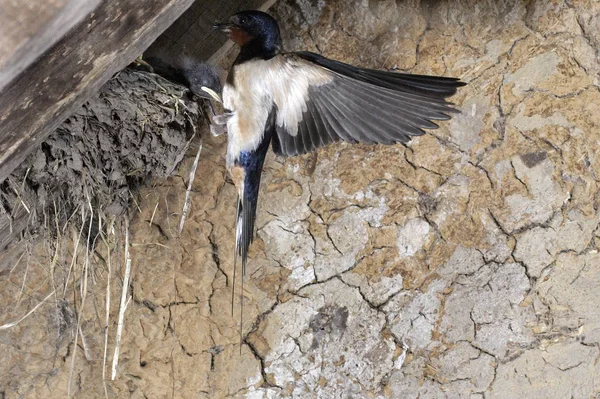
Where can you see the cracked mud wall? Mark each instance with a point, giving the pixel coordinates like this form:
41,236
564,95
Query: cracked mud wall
463,265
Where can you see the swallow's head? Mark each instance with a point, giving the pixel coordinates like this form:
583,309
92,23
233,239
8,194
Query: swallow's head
246,26
199,75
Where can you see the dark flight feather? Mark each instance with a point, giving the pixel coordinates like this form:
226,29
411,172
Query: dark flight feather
252,163
435,86
365,105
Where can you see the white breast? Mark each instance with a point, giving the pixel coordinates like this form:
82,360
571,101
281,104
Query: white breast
258,86
250,101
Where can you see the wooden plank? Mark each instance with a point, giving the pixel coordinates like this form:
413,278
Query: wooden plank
29,27
50,90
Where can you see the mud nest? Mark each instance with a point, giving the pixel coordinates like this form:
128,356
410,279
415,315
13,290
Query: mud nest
136,128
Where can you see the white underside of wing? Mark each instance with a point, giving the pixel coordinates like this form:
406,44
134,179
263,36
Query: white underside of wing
258,84
290,89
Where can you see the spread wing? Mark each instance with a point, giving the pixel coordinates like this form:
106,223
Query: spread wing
321,101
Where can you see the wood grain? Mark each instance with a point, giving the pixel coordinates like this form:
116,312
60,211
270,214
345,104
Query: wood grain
30,27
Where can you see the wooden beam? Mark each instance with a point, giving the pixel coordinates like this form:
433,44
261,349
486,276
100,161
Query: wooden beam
29,27
49,91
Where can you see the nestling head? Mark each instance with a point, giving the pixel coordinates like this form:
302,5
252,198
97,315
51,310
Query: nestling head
252,26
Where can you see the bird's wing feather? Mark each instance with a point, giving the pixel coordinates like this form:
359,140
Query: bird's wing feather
321,101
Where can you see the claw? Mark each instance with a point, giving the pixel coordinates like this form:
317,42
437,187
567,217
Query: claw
222,119
218,124
217,130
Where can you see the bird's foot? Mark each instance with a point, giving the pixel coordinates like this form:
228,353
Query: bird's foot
217,130
219,123
222,119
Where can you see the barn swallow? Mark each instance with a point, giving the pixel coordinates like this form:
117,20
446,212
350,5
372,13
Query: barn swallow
299,101
187,72
200,78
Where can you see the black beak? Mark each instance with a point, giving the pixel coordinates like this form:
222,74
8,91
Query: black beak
224,27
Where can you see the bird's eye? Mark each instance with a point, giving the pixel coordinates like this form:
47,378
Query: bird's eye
243,20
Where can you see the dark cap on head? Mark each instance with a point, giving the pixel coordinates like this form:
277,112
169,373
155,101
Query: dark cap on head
252,25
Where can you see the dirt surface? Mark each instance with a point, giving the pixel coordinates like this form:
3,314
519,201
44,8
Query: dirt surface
463,265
